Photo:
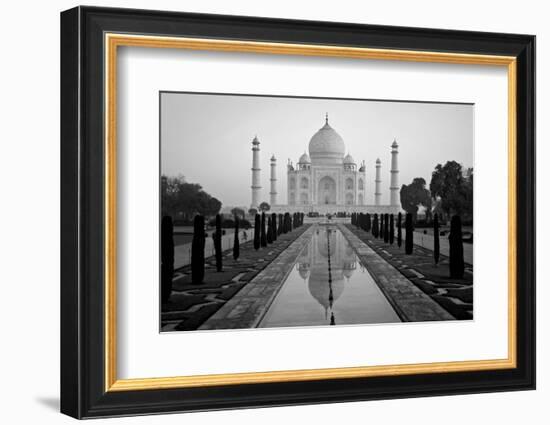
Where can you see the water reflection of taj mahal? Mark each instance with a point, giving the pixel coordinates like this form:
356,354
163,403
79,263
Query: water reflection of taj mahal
312,266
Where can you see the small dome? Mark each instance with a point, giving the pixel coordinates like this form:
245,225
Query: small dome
255,141
378,160
394,144
273,159
304,159
349,159
327,144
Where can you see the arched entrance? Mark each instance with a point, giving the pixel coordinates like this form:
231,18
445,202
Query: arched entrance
326,191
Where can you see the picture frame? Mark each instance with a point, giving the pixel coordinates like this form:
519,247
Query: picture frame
90,40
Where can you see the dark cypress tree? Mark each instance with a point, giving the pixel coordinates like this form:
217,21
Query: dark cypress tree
218,243
280,227
399,234
436,239
353,219
386,228
236,244
166,257
263,239
392,230
408,234
197,251
274,227
257,232
456,250
269,235
381,230
368,222
375,226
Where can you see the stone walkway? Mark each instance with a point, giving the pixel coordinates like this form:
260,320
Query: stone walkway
409,302
454,295
246,309
191,305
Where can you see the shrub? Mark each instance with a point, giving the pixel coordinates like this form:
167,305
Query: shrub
166,257
197,251
408,234
456,250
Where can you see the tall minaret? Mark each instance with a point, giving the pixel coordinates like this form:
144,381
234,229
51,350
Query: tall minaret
273,180
255,173
377,181
394,173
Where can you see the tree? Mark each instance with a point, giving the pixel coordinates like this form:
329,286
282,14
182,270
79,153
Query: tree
399,234
280,227
166,257
236,244
381,231
453,189
367,222
375,226
408,234
386,228
263,239
264,206
269,235
218,243
274,229
252,212
197,251
414,195
257,232
182,200
436,239
456,250
238,212
392,230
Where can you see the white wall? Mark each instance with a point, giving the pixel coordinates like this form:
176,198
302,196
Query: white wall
29,176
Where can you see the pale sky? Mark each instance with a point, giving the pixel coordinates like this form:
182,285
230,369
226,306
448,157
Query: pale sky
207,138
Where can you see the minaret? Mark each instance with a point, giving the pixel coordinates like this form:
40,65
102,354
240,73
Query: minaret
394,173
273,180
377,181
255,173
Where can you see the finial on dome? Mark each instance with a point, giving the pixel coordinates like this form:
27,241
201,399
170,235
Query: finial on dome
326,118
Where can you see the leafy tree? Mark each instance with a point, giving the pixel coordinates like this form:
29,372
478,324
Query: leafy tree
264,206
166,257
453,189
252,211
238,212
414,195
183,200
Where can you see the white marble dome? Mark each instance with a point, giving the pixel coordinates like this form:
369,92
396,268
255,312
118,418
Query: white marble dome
304,159
349,159
327,145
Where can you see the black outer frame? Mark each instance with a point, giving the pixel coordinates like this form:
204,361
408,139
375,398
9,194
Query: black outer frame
82,212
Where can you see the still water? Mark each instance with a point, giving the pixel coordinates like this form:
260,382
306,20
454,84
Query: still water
316,294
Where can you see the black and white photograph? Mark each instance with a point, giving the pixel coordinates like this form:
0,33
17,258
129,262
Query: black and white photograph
281,212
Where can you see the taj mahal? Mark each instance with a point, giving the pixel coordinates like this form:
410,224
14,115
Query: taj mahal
326,180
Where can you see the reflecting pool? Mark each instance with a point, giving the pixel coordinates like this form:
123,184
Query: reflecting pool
328,286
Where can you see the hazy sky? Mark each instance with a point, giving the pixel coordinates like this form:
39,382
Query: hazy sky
207,138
